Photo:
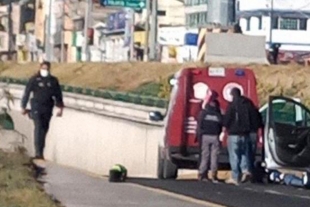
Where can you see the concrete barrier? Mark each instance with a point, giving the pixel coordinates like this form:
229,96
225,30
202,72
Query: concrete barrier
95,134
235,48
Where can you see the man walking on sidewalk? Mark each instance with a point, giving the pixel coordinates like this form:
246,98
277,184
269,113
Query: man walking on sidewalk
46,93
208,130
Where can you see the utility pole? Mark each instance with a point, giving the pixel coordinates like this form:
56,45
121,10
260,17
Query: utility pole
86,26
153,31
132,34
271,23
10,31
48,45
147,26
62,41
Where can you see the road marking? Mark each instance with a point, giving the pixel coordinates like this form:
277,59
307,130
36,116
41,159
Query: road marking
178,196
283,194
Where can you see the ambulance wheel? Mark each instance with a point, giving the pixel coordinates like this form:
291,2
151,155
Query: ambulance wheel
166,169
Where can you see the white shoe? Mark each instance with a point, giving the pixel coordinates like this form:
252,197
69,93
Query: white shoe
231,181
246,177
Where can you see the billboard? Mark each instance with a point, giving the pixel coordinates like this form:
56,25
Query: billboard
173,36
117,21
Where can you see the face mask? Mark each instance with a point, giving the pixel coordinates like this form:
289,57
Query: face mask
44,72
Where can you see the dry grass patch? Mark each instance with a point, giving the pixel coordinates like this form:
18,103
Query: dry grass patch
18,187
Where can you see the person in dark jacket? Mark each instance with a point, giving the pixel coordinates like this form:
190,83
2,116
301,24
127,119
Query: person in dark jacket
208,131
46,94
237,122
256,125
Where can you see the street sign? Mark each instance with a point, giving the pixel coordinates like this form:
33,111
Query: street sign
134,4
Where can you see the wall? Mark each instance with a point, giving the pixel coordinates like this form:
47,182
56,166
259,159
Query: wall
235,48
220,12
115,50
175,14
4,42
95,134
173,44
300,42
40,20
139,36
301,8
16,21
195,14
302,5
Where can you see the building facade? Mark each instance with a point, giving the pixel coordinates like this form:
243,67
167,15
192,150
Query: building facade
170,12
196,13
290,25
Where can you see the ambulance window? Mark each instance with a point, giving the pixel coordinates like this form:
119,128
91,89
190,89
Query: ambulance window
227,89
200,90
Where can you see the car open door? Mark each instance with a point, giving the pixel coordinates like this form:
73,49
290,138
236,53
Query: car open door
287,134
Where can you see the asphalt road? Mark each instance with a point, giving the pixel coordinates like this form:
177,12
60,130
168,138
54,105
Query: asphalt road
246,195
74,188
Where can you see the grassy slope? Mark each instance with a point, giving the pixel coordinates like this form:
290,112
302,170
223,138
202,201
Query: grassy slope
290,80
18,187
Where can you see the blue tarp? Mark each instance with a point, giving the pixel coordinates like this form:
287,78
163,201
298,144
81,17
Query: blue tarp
191,39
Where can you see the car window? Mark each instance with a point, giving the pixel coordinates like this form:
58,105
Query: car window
283,112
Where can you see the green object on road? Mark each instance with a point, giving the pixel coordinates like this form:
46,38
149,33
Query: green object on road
118,173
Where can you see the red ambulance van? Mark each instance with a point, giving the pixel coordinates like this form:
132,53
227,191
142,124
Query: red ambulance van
178,149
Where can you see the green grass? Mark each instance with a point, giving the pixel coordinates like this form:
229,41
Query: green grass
18,188
148,89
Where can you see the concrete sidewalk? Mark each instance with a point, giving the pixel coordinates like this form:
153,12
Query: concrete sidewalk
74,188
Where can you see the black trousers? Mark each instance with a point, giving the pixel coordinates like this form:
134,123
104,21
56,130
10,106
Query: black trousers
41,126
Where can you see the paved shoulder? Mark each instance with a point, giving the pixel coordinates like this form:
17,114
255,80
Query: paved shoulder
77,189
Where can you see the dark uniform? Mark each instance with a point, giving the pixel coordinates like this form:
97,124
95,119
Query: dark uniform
46,93
209,127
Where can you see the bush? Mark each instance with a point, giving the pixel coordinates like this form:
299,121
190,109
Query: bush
97,93
148,89
165,88
161,103
88,92
147,101
78,90
137,100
